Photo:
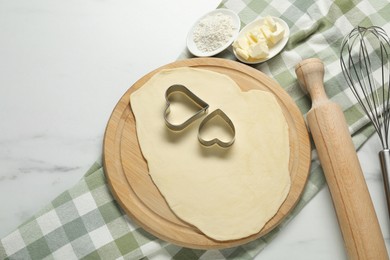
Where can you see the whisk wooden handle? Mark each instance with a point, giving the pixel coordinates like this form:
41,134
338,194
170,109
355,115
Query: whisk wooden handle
355,212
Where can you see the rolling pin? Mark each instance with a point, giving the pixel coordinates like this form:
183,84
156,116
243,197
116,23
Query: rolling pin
355,211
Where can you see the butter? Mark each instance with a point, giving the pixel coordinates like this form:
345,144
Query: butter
259,50
268,21
256,42
278,34
256,35
250,38
243,53
267,34
241,43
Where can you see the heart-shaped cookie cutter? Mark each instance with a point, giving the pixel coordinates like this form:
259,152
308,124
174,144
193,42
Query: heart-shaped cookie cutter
199,102
217,112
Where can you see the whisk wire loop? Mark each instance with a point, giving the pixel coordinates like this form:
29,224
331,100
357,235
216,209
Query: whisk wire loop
361,50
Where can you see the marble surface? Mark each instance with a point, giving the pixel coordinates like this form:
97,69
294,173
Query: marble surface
63,67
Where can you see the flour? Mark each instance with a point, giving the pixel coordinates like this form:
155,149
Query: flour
213,31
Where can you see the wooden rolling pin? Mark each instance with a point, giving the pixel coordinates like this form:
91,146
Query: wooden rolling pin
355,212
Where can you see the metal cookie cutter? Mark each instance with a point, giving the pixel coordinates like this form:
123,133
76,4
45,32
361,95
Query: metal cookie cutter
217,112
199,102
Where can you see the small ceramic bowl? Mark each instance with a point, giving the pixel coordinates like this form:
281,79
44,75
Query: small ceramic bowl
278,47
191,45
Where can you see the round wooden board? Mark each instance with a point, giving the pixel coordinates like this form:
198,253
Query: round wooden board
127,171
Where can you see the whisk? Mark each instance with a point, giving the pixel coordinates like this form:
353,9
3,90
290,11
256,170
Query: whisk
365,63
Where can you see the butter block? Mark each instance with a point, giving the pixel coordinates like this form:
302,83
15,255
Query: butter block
250,38
278,34
256,34
259,50
241,43
267,34
268,21
242,53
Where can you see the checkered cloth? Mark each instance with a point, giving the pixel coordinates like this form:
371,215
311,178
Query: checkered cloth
85,221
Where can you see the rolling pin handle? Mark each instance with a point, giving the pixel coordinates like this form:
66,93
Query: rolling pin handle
310,74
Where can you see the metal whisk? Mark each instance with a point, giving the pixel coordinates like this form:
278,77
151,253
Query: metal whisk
365,63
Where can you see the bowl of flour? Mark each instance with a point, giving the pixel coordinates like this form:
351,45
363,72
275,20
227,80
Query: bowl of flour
213,33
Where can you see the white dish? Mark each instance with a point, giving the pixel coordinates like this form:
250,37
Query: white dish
278,47
236,29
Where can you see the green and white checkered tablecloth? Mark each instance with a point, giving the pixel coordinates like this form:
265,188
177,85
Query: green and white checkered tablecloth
86,222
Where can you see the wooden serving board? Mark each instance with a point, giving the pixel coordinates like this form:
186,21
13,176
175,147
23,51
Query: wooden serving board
127,171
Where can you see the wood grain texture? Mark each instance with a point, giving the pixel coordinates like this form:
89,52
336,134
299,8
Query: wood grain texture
127,171
355,212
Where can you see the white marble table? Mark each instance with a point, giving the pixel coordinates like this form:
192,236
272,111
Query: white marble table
63,67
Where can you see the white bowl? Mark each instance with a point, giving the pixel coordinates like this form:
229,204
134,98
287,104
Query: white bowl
236,29
274,50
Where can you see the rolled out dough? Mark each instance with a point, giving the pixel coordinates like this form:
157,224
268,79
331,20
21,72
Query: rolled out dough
227,193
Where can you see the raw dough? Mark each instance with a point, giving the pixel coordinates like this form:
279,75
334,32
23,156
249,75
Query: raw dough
227,193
